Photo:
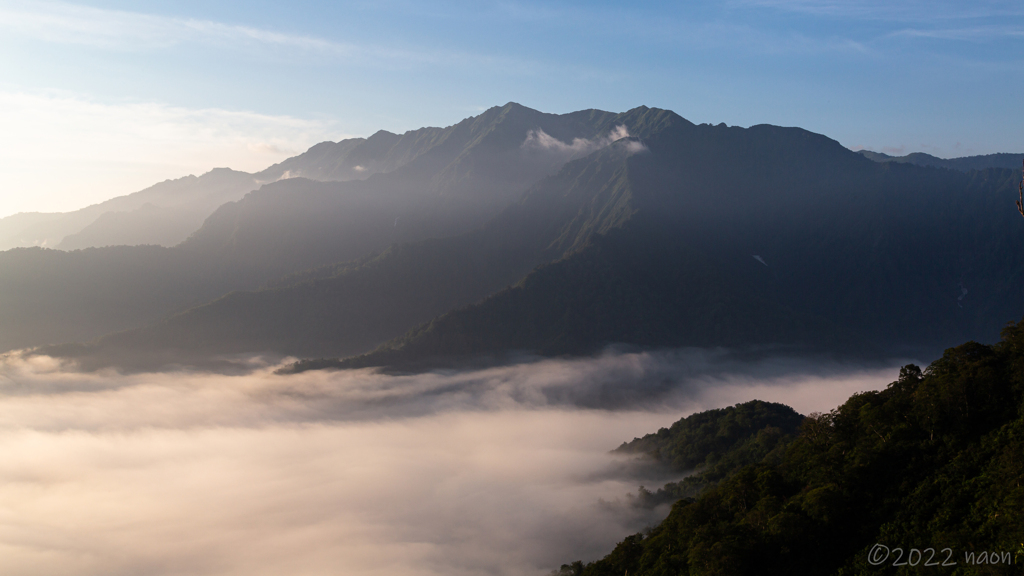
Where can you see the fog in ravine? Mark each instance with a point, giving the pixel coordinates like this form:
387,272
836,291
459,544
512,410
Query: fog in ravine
503,470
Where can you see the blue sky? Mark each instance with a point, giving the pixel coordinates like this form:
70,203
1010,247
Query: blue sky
103,98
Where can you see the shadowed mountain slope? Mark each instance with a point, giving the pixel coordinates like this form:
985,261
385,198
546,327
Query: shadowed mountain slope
694,236
352,307
760,236
295,224
473,154
680,235
52,295
452,180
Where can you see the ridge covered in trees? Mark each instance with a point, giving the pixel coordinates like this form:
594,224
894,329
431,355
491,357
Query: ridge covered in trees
933,463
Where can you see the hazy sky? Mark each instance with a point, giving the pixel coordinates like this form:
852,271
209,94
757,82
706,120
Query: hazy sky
104,98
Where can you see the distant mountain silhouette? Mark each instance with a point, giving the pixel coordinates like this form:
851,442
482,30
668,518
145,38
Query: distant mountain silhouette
183,204
1008,161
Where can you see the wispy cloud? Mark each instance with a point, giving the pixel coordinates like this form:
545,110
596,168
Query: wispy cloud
881,10
75,24
65,23
956,21
972,34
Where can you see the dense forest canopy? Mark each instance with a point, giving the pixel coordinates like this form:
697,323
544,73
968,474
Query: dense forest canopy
933,463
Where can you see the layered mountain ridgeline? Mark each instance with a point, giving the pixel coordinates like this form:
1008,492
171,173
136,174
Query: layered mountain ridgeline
439,187
487,157
352,307
964,164
165,214
458,159
679,235
459,178
718,236
933,463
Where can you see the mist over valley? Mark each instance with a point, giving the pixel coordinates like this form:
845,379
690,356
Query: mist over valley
501,470
417,353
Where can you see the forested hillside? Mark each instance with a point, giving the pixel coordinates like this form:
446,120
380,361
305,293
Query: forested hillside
933,463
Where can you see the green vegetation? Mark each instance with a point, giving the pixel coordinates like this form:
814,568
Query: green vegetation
714,444
936,460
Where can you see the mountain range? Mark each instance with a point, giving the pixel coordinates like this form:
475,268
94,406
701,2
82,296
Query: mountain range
517,230
966,163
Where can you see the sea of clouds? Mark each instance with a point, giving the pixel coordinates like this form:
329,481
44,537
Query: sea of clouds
502,470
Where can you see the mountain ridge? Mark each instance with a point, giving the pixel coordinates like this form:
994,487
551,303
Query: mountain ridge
644,229
296,224
963,164
463,333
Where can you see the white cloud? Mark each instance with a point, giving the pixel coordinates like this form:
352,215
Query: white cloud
496,471
540,140
74,24
62,152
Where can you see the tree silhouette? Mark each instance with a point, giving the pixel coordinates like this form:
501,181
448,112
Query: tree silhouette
1020,193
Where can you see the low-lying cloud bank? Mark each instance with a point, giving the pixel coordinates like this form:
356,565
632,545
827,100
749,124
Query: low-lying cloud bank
496,471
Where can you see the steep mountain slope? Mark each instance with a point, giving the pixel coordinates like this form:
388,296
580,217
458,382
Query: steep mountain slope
439,188
686,236
760,236
452,180
168,212
353,307
356,158
695,236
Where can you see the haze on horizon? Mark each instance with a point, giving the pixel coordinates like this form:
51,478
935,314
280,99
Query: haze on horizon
105,98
